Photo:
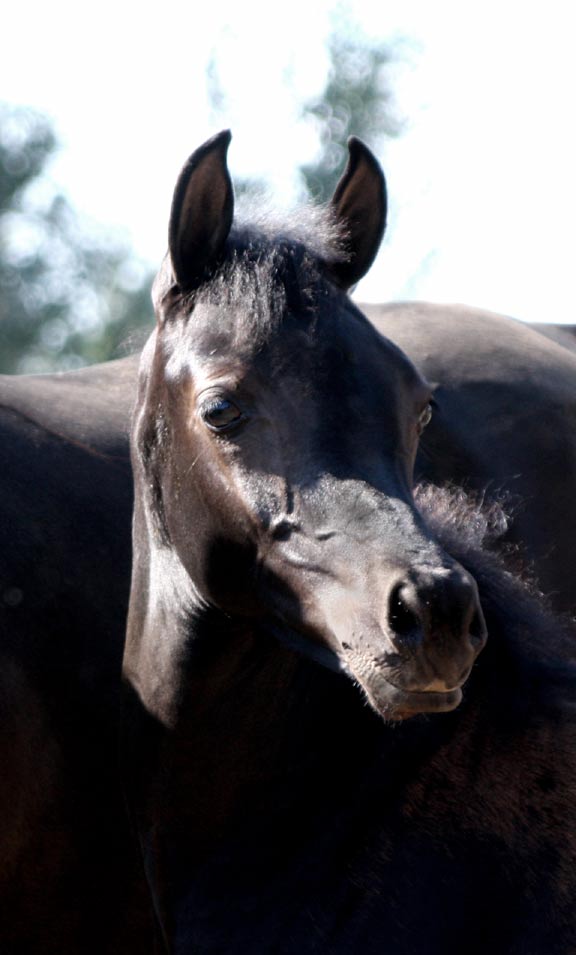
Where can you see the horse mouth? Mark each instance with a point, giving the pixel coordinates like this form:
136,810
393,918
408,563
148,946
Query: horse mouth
395,704
389,700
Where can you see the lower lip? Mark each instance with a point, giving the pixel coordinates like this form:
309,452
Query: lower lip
403,703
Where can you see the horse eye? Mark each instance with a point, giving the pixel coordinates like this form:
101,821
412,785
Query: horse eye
221,414
424,418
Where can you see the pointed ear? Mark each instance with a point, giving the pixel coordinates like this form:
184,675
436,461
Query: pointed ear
359,205
202,212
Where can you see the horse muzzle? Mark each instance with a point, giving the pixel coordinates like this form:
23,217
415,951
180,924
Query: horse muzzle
416,657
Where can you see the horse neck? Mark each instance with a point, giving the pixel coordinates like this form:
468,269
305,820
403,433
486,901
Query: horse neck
224,721
230,717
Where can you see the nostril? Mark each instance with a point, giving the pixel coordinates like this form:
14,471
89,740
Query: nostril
401,618
282,530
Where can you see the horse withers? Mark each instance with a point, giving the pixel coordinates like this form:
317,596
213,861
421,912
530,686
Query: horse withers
301,771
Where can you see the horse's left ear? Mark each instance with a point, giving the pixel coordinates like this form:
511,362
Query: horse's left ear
359,206
202,212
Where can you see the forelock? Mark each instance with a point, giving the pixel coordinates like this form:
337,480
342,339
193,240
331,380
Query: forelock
272,263
313,226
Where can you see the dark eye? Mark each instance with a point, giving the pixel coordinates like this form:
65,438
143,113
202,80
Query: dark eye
220,414
424,418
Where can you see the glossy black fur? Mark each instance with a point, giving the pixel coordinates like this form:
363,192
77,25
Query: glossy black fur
69,876
283,806
296,821
70,880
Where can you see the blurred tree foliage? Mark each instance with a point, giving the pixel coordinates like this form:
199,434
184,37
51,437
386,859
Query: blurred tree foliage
70,293
356,101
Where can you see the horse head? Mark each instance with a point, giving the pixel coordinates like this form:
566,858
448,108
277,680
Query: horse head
273,446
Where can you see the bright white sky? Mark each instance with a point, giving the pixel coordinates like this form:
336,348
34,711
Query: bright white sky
481,183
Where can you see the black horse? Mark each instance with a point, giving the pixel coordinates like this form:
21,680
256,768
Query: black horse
503,421
302,770
69,875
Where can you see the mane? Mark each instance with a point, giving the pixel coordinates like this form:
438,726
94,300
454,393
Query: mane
516,611
463,521
473,531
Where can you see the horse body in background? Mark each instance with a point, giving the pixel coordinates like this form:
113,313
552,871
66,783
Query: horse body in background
69,874
294,612
503,425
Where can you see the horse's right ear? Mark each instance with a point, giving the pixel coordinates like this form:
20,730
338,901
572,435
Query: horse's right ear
359,206
202,212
